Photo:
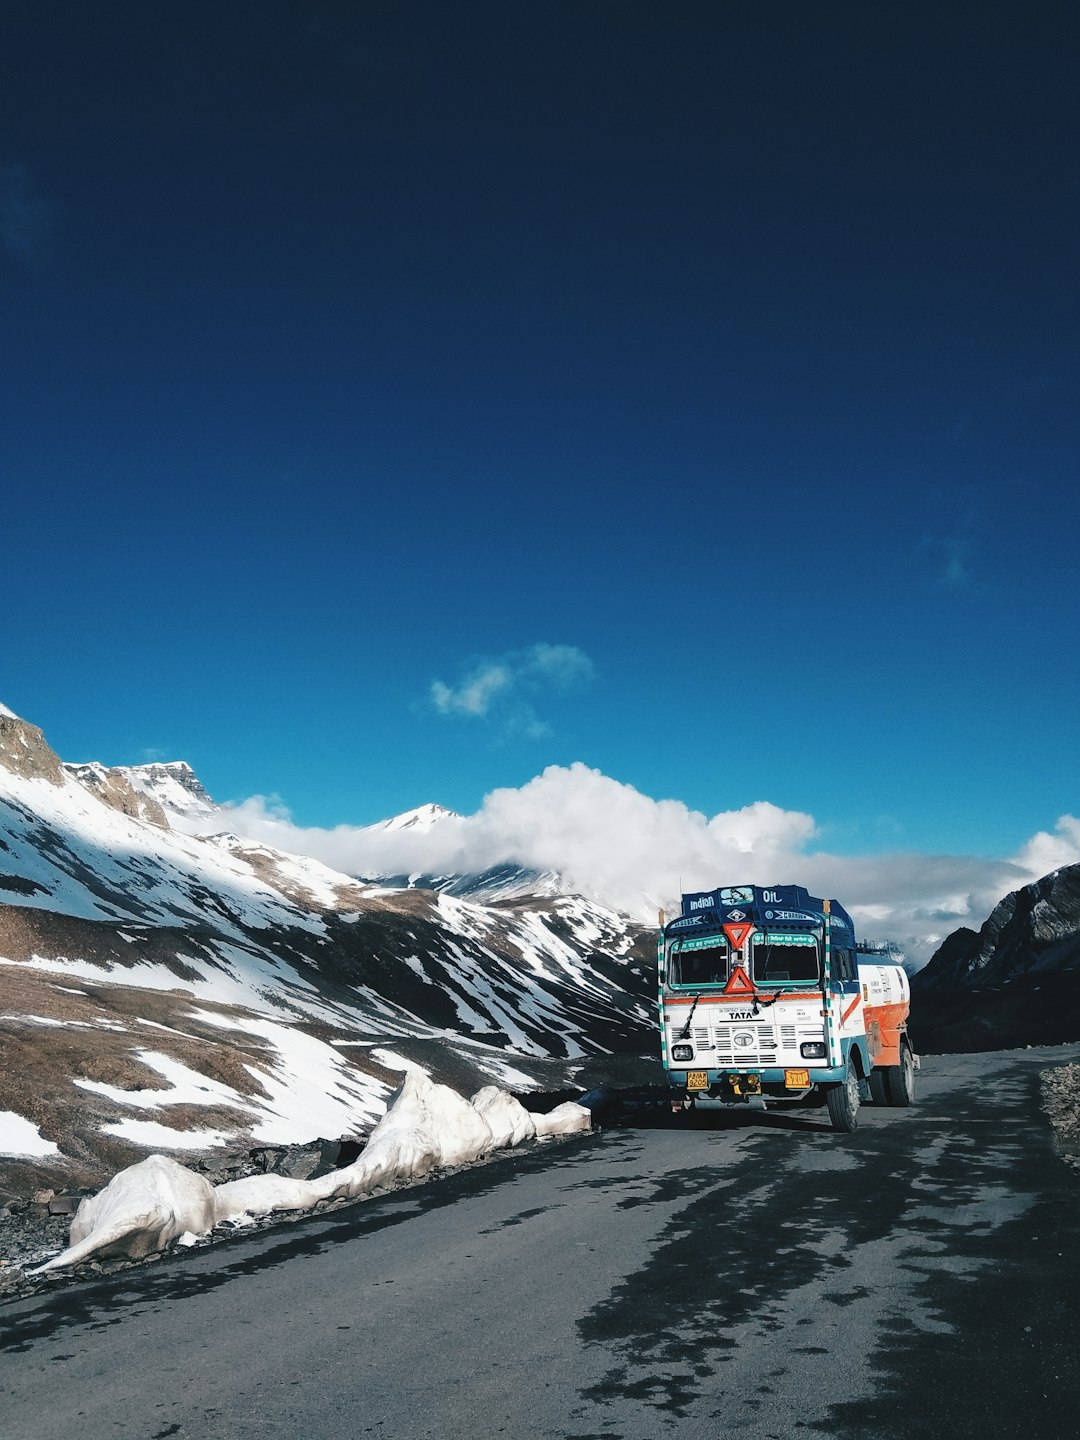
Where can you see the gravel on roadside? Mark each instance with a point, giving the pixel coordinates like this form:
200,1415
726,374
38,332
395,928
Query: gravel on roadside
1060,1100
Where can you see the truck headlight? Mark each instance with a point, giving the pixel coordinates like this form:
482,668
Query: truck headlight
812,1050
682,1052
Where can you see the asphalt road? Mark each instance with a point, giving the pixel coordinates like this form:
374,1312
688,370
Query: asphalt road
751,1280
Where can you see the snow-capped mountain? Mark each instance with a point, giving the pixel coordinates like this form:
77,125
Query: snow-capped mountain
175,991
423,818
174,786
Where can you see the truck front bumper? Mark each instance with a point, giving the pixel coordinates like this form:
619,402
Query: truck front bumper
739,1084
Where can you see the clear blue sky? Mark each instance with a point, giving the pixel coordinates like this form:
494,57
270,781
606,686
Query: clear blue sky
347,348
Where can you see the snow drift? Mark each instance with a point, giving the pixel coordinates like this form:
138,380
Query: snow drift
509,1121
142,1209
426,1127
566,1119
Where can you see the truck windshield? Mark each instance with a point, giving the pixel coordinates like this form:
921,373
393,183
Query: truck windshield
782,960
695,964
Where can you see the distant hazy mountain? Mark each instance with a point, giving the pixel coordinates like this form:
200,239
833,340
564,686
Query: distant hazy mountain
1014,981
171,991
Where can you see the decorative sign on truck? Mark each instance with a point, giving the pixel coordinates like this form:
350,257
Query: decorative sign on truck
767,998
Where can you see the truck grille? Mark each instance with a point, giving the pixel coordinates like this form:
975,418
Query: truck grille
745,1044
749,1045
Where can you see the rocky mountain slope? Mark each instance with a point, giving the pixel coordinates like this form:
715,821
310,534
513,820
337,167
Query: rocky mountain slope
160,990
1015,981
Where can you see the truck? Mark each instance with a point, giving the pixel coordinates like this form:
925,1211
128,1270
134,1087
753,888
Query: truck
767,999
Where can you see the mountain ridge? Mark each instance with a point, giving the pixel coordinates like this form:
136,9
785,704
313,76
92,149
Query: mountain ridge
185,992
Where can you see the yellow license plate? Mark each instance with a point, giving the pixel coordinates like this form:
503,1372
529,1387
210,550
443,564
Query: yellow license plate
796,1079
697,1080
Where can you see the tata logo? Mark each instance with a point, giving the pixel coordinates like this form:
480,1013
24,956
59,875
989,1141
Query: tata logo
739,1015
744,1039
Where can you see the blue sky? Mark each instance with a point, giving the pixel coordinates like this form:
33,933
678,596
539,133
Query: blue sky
401,399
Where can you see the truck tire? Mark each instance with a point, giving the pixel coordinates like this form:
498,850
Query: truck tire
900,1079
843,1103
877,1086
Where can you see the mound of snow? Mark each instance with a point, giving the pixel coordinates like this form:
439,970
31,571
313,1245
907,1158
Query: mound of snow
262,1194
141,1210
426,1127
509,1121
565,1119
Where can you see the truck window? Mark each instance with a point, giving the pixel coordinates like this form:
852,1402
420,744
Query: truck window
843,965
776,963
699,967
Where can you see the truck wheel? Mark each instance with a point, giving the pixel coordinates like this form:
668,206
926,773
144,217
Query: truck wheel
843,1103
877,1086
900,1079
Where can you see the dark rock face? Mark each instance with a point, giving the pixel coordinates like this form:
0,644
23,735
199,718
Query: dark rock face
1037,927
1014,982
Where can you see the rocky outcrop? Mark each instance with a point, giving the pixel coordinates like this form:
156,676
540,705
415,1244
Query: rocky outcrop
1035,928
113,789
25,752
173,785
1016,981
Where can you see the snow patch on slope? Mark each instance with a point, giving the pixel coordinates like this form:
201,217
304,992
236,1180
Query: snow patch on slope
21,1138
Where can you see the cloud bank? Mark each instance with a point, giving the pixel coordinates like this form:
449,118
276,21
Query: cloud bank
616,845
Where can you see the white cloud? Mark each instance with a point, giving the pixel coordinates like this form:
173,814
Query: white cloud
1043,852
500,689
611,842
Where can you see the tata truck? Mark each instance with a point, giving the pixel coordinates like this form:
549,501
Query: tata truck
767,1000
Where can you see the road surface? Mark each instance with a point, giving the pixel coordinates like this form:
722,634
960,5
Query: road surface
754,1280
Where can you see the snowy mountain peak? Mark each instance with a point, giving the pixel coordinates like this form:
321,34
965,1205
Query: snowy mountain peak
173,784
422,818
113,788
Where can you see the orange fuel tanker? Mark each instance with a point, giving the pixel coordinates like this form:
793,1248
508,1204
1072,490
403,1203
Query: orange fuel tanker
767,999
